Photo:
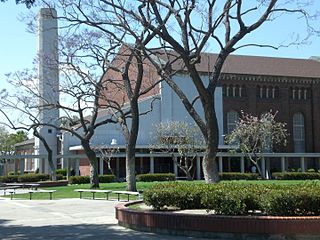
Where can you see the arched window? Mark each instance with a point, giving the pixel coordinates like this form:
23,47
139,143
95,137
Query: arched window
232,119
298,133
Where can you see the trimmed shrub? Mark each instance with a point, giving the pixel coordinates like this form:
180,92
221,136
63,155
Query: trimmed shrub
152,177
9,179
86,179
237,199
107,178
296,175
33,177
60,177
30,177
293,201
79,179
238,176
175,195
62,171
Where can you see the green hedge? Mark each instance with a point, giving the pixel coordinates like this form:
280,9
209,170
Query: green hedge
237,199
238,176
152,177
30,177
9,179
33,177
62,171
86,179
296,175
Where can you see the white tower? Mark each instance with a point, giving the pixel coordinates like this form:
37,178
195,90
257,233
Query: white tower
48,74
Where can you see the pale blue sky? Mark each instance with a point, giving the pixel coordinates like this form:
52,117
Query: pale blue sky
18,47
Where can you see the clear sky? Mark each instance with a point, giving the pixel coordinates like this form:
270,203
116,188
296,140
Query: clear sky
18,47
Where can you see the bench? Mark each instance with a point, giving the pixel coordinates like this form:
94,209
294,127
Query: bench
41,191
9,189
31,186
128,193
93,191
34,191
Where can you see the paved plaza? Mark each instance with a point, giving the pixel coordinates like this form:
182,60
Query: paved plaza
64,219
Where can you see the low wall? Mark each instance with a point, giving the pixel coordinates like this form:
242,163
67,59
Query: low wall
224,227
53,183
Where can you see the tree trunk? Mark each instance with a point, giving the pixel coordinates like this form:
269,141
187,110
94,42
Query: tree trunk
131,169
209,164
52,166
94,177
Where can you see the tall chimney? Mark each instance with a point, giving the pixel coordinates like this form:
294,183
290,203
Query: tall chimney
48,74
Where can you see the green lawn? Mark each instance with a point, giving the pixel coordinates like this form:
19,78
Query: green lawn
68,191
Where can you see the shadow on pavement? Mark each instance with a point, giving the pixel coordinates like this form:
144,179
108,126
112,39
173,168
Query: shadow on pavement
68,232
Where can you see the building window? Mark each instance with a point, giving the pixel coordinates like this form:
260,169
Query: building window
232,119
298,133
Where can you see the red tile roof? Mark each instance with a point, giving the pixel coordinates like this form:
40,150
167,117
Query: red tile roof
267,66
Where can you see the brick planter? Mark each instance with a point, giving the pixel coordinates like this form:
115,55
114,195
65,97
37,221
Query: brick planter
226,227
53,183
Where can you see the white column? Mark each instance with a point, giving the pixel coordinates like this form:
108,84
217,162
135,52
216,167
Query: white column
175,166
151,164
76,169
101,166
263,167
220,164
68,167
21,162
242,164
302,164
283,164
198,168
268,168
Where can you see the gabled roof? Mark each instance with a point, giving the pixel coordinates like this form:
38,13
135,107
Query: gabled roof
26,142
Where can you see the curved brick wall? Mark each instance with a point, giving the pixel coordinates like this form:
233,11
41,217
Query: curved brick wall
209,225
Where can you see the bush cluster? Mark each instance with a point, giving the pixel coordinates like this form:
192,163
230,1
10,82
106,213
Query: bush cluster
86,179
237,199
238,176
62,172
30,177
152,177
296,175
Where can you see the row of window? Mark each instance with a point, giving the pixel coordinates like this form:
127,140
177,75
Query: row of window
298,128
299,93
264,92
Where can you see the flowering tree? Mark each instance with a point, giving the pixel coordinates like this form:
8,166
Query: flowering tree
256,135
181,138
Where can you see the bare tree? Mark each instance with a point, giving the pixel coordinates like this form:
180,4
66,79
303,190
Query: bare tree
180,139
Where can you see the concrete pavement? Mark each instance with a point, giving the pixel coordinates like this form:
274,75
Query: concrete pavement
65,219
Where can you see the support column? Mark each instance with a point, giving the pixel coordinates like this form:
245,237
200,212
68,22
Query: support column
198,168
268,168
175,166
68,167
302,164
283,164
76,167
21,163
220,165
151,164
101,166
263,167
242,164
